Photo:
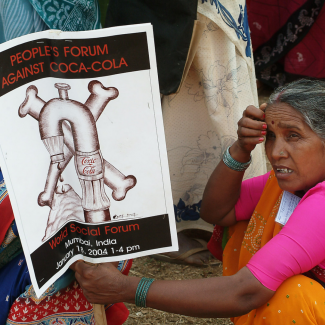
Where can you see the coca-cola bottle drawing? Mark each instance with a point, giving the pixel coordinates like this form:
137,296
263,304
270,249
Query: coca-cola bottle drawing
68,129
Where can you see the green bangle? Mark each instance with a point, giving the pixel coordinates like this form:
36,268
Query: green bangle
142,291
234,164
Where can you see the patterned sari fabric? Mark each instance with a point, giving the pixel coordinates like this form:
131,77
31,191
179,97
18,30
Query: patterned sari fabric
61,306
201,119
288,39
68,15
300,299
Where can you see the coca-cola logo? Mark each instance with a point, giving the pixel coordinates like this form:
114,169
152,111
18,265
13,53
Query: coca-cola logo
89,170
88,161
90,167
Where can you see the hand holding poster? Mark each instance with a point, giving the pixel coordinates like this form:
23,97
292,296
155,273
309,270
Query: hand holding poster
84,156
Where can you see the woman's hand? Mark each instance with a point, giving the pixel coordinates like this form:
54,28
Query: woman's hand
213,297
251,128
223,188
102,283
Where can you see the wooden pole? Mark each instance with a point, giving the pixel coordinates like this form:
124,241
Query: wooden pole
99,314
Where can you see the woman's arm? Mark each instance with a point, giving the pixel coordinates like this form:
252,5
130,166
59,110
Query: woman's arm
214,297
223,188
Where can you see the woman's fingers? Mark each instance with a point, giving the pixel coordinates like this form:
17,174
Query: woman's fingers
250,141
251,127
263,107
254,112
85,270
249,123
100,282
248,132
252,123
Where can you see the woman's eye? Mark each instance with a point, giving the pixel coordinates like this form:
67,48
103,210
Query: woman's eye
293,136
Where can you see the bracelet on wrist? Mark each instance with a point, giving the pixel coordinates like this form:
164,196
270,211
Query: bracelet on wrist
142,291
234,164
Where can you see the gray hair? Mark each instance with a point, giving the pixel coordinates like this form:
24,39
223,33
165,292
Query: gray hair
308,98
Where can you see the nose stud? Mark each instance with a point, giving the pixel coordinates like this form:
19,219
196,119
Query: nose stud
281,153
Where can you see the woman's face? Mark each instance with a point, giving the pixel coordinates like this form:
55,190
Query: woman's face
296,153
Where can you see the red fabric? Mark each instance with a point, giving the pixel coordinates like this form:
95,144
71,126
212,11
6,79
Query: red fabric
308,56
215,243
6,217
265,18
66,306
117,314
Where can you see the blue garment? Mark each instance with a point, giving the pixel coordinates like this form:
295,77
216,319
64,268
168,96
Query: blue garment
18,18
22,17
14,279
3,188
68,15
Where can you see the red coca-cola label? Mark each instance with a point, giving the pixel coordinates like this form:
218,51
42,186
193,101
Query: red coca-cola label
89,165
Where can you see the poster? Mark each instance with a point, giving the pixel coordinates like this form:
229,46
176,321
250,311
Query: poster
83,149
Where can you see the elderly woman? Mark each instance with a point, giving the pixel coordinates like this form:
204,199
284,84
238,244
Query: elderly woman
275,273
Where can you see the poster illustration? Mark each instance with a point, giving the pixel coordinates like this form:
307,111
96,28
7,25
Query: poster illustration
84,154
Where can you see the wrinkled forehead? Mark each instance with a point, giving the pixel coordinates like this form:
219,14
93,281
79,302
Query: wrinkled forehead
282,114
281,108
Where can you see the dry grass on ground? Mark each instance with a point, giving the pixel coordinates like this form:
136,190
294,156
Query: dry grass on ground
149,267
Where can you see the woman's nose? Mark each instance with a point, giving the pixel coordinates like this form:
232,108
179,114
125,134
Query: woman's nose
279,151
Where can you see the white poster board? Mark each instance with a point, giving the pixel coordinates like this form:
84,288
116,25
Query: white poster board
83,150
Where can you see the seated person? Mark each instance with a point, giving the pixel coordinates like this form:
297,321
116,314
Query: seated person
63,302
275,274
64,299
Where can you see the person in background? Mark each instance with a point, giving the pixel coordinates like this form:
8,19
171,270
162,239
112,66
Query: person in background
64,301
275,272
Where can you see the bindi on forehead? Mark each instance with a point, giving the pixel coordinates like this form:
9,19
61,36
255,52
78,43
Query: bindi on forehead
272,122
